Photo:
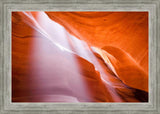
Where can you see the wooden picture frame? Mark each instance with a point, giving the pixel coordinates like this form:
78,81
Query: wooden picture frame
152,6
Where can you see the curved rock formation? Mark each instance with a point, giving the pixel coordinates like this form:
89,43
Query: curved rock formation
84,57
123,35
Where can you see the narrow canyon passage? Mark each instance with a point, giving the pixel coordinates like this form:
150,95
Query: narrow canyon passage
79,57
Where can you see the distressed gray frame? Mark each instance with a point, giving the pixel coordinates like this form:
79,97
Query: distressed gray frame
152,6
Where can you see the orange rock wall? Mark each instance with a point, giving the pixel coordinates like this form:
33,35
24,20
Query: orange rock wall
42,72
123,34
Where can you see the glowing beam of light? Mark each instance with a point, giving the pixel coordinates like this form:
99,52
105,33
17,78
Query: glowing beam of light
39,29
81,48
84,51
62,81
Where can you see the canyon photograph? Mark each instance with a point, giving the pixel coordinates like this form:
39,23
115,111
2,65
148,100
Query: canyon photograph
80,56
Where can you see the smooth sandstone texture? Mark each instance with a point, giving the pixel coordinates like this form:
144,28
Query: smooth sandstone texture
124,35
47,69
125,30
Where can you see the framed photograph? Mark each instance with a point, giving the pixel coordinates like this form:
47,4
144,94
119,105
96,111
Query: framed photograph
80,57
